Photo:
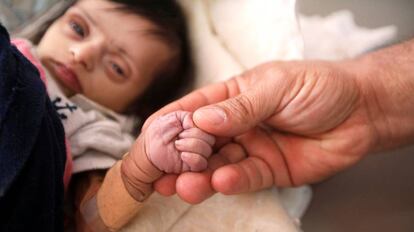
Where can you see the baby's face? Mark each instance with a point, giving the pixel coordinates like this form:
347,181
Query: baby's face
106,54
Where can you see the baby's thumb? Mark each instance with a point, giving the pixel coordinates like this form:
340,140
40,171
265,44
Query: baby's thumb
236,115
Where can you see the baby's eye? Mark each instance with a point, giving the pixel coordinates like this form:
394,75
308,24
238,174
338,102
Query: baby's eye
77,28
118,70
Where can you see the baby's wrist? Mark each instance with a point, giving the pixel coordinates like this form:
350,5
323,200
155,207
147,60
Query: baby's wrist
110,208
137,172
137,188
91,217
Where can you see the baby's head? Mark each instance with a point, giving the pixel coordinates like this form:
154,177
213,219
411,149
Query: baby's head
123,54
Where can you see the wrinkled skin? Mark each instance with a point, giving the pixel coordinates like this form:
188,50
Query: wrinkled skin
174,145
287,124
170,144
293,123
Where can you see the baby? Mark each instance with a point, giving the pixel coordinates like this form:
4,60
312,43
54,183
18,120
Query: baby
103,63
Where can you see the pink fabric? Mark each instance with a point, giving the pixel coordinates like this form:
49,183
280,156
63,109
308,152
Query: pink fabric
25,47
68,166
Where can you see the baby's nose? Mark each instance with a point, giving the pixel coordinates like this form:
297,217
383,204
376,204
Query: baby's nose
87,53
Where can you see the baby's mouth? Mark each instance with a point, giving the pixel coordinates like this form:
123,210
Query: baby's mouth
67,77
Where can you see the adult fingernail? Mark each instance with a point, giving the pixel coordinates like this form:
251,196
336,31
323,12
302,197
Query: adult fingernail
214,115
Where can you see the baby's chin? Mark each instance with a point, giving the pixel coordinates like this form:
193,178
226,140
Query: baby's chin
65,90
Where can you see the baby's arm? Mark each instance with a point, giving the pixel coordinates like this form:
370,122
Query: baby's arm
171,144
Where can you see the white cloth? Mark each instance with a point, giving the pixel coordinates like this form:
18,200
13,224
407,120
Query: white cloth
337,37
98,136
230,36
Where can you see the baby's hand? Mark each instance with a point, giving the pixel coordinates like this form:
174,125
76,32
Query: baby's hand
174,144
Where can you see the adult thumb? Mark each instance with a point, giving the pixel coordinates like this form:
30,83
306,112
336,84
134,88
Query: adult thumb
235,115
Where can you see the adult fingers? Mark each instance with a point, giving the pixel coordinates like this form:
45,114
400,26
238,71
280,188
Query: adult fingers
266,147
166,185
194,100
229,153
264,167
229,173
252,98
249,175
196,187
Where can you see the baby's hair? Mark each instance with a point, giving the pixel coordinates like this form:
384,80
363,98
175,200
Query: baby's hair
174,79
177,76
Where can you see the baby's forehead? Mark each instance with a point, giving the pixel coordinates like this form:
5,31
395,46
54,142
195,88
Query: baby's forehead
116,19
130,17
126,31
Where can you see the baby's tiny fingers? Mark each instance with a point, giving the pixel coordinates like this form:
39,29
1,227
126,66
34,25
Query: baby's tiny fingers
166,127
194,161
194,146
199,134
228,154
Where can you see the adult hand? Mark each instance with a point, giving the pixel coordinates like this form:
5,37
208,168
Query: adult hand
290,123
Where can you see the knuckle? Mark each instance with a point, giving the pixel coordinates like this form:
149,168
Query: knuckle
272,70
242,108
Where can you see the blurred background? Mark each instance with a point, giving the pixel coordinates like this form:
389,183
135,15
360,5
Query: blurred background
368,13
16,13
378,193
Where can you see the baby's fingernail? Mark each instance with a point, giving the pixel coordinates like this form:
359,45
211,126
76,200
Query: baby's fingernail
214,115
178,142
185,155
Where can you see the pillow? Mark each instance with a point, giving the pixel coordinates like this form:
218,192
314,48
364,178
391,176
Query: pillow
230,36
